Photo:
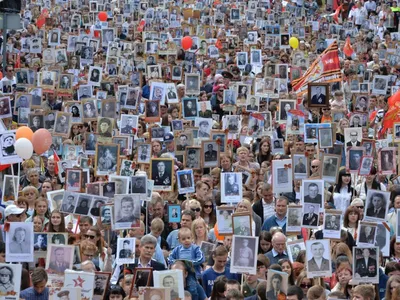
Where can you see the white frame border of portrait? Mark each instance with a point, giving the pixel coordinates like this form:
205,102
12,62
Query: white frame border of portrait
358,280
330,179
319,182
231,199
330,233
309,256
394,161
238,269
366,223
187,190
367,202
294,229
219,210
136,201
279,188
299,242
120,242
158,275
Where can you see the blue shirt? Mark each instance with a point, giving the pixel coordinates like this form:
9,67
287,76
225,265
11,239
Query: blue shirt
210,275
172,239
31,294
193,253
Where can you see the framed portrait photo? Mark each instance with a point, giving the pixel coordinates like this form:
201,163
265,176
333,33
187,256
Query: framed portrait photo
192,157
144,153
313,192
294,214
318,250
73,181
106,159
325,138
185,181
310,215
332,224
224,219
59,258
277,284
243,256
387,161
231,187
174,213
300,166
241,224
12,285
366,165
189,108
365,265
293,248
142,277
19,242
330,167
172,279
192,84
353,159
126,211
282,176
101,280
318,95
376,205
125,251
366,234
161,170
62,124
210,153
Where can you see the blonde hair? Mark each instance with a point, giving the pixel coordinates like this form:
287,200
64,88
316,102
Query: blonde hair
199,221
367,291
194,202
157,225
240,149
184,230
30,188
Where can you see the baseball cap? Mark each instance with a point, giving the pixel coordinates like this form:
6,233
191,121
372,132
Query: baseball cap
168,137
13,210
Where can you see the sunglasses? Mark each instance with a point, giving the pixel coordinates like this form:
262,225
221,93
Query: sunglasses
196,209
208,206
314,167
360,207
305,286
88,236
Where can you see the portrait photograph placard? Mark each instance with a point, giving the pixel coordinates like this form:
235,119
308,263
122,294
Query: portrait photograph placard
300,166
106,159
55,199
231,187
106,214
224,219
366,165
40,244
366,234
311,215
19,242
277,146
325,138
73,180
294,216
244,254
9,189
59,258
142,277
241,224
330,167
332,224
8,155
172,279
353,137
86,280
174,213
210,154
365,265
277,284
376,205
185,181
294,247
126,211
125,251
282,180
192,157
318,253
318,95
11,284
161,170
121,184
207,249
353,159
144,153
139,185
147,293
65,293
313,192
387,161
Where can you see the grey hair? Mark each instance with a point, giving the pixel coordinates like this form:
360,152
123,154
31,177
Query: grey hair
39,275
188,295
148,239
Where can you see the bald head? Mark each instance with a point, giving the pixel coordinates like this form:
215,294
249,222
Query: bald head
279,242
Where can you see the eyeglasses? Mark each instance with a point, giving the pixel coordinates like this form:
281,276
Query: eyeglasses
305,286
88,236
208,206
89,255
360,207
196,209
314,167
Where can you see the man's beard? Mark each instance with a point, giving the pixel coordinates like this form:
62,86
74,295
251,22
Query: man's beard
9,150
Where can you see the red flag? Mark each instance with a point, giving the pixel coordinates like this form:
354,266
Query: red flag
395,98
348,49
56,160
336,14
218,44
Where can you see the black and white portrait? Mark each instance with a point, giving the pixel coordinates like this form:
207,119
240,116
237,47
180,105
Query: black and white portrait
161,173
192,158
244,254
277,285
293,223
185,181
380,84
330,167
192,84
318,258
107,157
332,224
387,160
139,185
310,215
365,264
376,205
318,95
153,109
325,138
231,186
313,192
277,146
189,108
19,242
62,123
300,166
354,159
366,233
125,250
210,154
126,211
95,75
144,153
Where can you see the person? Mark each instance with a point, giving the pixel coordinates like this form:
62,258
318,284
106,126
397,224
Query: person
367,235
252,106
127,211
355,159
190,109
152,109
138,186
332,223
126,252
204,131
41,243
161,175
377,208
243,228
311,218
192,161
275,292
39,290
185,181
83,207
231,188
313,194
19,242
210,154
107,161
318,263
6,280
353,140
128,128
246,255
366,266
318,97
57,261
300,167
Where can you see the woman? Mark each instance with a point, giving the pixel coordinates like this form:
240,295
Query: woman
115,292
394,250
245,207
264,151
199,231
243,157
38,224
285,111
305,283
218,290
391,285
343,123
33,177
141,129
264,242
343,191
41,210
156,147
195,206
208,213
350,221
174,112
94,235
364,292
369,183
57,222
226,163
166,120
216,175
47,186
189,282
287,268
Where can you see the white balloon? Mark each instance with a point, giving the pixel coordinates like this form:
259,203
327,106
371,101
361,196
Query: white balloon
24,148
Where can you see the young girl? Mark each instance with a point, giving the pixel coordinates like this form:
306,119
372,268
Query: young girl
38,225
57,222
187,250
41,210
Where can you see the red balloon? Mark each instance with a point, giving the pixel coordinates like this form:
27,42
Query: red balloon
41,141
187,43
102,16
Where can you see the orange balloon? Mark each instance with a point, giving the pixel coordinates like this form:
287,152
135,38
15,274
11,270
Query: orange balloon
41,141
24,132
187,43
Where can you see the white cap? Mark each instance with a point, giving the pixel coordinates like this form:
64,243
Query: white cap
13,210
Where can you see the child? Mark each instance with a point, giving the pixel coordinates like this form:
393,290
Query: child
187,251
338,103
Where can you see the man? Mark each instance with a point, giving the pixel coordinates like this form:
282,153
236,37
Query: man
57,263
169,282
105,127
265,207
318,97
183,142
294,292
152,109
171,94
63,295
47,79
161,177
367,235
204,130
127,211
192,161
100,282
243,228
278,219
187,218
128,128
68,206
143,152
300,167
366,266
276,292
185,181
313,195
231,188
138,186
329,167
109,190
377,207
210,154
331,223
318,263
355,159
310,219
278,248
38,291
126,252
126,171
252,106
353,140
